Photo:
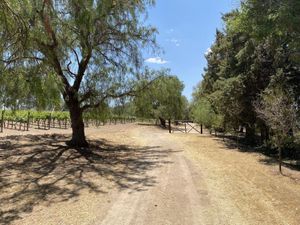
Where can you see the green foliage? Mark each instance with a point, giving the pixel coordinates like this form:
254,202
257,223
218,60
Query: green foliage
256,52
98,40
162,99
60,115
278,109
22,115
123,107
203,113
40,115
88,51
17,116
102,113
26,89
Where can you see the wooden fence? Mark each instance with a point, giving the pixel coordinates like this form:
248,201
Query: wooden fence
185,126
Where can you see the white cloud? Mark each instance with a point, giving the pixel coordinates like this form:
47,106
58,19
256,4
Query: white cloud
208,51
156,60
170,31
175,41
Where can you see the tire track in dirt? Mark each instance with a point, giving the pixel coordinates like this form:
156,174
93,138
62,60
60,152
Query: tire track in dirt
175,199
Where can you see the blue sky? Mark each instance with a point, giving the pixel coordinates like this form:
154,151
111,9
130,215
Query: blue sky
186,30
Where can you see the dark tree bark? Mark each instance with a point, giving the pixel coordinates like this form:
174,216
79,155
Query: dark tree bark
264,134
78,135
250,134
2,121
267,133
241,129
162,122
280,159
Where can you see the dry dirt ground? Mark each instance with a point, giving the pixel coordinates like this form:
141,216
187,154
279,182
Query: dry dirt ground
140,175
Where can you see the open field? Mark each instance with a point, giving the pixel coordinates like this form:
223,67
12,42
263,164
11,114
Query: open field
140,175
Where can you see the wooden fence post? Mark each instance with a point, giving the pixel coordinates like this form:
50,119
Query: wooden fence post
2,121
201,126
28,121
49,122
170,128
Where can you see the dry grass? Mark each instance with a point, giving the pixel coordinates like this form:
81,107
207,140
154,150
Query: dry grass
246,180
42,181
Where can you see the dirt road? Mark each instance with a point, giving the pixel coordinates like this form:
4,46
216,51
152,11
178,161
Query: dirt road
142,175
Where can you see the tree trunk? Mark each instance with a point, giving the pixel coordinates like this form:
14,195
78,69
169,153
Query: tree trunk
78,135
162,121
250,134
264,134
267,133
170,128
2,121
241,129
280,158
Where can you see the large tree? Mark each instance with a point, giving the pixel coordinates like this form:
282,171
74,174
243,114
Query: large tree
163,99
92,46
278,109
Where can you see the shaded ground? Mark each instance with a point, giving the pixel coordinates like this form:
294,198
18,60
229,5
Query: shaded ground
41,169
141,175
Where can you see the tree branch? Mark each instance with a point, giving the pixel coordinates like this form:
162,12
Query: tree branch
9,61
53,56
86,96
76,55
130,92
69,70
81,69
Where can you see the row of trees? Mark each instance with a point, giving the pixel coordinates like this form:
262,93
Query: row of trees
252,79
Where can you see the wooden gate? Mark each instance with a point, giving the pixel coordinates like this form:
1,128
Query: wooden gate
186,126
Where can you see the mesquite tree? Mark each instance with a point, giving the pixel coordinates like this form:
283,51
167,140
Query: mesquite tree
278,109
163,100
92,46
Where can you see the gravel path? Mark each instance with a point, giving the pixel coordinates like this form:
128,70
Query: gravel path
141,175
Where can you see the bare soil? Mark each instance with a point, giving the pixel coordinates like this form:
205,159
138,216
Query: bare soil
141,175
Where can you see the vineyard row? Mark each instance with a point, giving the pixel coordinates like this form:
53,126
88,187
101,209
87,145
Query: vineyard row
25,120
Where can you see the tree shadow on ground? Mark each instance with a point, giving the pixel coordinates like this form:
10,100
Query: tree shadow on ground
271,155
274,161
148,124
37,169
